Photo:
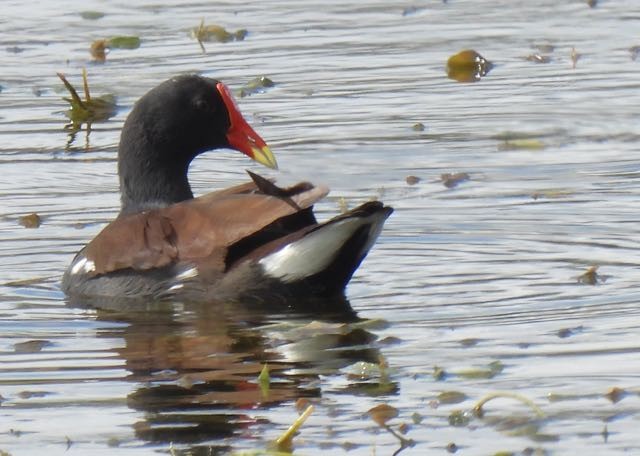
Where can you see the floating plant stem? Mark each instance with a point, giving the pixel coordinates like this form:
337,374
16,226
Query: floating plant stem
284,441
477,409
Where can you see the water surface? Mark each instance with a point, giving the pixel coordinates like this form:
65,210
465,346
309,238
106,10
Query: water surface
462,277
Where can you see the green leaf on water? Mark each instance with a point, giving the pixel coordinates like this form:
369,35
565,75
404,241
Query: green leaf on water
91,15
493,369
91,109
216,33
451,397
264,380
525,143
123,42
256,85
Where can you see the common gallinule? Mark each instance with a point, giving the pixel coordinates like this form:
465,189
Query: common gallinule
252,241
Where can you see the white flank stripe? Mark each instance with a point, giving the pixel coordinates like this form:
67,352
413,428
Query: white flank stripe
312,253
83,265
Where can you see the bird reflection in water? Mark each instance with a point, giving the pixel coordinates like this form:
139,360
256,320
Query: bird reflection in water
196,366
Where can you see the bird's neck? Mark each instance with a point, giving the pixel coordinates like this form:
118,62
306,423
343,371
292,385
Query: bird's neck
146,181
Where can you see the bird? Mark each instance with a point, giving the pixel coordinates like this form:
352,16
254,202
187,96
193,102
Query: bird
253,242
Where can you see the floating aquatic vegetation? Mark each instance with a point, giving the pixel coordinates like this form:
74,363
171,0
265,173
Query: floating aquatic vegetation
285,441
91,15
493,369
591,276
451,180
451,397
468,66
30,221
264,380
100,48
479,411
412,180
383,413
523,143
30,394
574,57
460,418
87,111
615,394
538,58
207,33
31,346
552,193
438,373
256,85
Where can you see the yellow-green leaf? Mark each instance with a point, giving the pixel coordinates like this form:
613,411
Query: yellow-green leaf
123,42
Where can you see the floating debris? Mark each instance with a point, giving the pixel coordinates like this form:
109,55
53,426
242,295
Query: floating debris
416,418
469,342
552,194
30,394
544,48
438,373
91,15
383,413
468,66
568,332
302,404
31,346
256,85
412,180
574,57
635,52
206,33
343,204
452,447
100,48
460,418
522,144
615,394
451,180
30,221
591,276
419,126
409,10
538,58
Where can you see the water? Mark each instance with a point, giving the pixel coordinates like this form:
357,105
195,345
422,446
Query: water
460,278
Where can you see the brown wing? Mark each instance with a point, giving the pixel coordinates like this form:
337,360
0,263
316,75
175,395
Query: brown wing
197,230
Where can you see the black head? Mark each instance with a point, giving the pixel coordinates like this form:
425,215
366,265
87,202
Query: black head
167,128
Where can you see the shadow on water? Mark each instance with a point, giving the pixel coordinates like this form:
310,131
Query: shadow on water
195,367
